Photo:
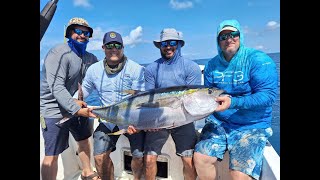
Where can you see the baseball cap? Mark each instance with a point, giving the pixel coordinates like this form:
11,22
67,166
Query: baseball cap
112,36
231,28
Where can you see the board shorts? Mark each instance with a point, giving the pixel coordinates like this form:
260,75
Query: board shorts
184,137
102,142
245,147
56,137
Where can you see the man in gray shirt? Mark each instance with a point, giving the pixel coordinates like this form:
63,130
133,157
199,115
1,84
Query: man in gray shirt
62,73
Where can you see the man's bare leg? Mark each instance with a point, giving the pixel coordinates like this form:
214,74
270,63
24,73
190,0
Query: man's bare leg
137,167
150,167
84,155
189,171
104,166
204,166
49,168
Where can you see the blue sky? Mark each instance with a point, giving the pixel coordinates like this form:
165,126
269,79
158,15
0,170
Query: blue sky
141,21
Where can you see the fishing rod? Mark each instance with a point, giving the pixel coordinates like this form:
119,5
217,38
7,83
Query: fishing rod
46,16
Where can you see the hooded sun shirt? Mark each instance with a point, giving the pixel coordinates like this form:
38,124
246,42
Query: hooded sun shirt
172,72
250,77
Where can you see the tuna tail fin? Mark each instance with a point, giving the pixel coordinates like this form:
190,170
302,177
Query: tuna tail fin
121,131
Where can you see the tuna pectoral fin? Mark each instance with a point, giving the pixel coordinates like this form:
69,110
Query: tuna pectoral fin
121,131
172,102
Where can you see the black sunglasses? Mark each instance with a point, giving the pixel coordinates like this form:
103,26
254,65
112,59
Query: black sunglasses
229,35
79,32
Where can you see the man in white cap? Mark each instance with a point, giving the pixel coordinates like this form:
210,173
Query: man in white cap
241,124
171,70
110,77
63,70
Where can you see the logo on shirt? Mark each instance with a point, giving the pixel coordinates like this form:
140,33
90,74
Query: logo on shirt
229,76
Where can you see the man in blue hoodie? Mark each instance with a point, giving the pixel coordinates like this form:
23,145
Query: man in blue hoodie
171,70
63,70
241,124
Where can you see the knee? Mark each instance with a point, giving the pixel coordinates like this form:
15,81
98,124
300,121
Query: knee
203,160
187,162
50,160
150,161
138,160
102,157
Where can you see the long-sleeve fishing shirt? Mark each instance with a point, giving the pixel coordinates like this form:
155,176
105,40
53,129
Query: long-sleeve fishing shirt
111,87
251,78
173,72
61,72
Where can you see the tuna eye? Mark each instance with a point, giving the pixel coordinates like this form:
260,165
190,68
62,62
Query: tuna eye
210,91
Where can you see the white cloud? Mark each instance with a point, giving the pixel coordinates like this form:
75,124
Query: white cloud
180,5
272,25
260,47
131,40
134,37
82,3
96,40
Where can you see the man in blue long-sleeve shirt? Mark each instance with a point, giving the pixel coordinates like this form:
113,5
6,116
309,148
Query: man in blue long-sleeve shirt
171,70
242,122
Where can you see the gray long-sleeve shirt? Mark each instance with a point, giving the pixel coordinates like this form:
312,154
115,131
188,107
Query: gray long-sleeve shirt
59,79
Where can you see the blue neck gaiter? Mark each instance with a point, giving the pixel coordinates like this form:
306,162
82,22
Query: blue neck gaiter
78,47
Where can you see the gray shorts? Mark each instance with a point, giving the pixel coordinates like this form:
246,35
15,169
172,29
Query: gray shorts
103,142
185,138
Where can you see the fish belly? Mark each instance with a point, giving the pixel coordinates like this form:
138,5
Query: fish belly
155,118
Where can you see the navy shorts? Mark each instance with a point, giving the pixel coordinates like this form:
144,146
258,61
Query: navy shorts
184,137
102,142
56,137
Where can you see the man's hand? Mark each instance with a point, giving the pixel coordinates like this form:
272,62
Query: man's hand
224,102
132,130
85,112
81,103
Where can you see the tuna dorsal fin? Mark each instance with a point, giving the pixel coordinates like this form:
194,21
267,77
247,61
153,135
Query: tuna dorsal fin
172,102
131,91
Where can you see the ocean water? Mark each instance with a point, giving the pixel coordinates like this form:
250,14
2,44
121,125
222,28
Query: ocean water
274,139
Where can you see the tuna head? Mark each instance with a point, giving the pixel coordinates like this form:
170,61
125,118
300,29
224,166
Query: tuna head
200,102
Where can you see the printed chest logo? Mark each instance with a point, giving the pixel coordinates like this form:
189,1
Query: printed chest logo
235,76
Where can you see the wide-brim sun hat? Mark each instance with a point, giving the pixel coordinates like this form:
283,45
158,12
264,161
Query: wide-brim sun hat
169,34
76,21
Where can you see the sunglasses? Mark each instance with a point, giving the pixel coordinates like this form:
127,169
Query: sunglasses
166,43
112,45
79,32
229,35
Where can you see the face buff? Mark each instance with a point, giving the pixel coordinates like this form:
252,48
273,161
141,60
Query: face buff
113,70
78,47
